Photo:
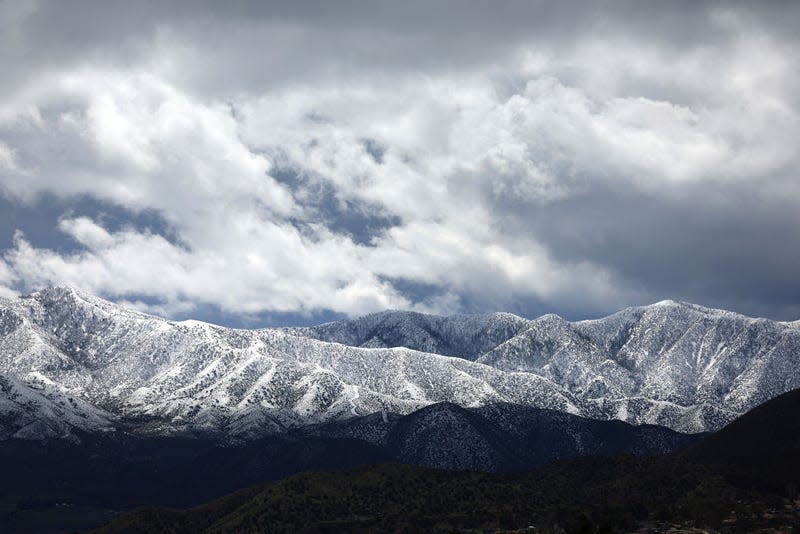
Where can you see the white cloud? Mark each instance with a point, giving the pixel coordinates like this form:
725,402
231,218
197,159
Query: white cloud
8,163
7,280
459,145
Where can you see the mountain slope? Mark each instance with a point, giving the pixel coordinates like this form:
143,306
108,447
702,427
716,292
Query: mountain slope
700,486
761,448
715,363
463,336
26,412
499,437
187,376
104,473
673,364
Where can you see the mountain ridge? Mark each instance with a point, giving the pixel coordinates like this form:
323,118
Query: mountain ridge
107,473
673,364
741,479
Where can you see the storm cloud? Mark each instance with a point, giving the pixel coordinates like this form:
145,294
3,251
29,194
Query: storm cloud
253,162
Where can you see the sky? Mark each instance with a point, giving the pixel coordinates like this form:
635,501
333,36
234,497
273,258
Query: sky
264,163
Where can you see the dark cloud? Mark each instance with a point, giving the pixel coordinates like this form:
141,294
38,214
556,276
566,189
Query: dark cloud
38,219
361,222
723,245
213,314
234,46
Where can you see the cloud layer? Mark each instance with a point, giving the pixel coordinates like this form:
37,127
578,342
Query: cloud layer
267,159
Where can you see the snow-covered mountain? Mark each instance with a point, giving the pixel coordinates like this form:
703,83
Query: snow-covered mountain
72,361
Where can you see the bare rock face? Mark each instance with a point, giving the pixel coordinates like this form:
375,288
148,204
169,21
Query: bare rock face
72,361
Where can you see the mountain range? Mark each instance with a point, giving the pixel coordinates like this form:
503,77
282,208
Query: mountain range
72,364
43,481
743,478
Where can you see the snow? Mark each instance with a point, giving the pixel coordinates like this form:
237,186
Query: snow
353,401
675,364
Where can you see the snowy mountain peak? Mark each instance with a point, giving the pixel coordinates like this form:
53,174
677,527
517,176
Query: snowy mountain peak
668,303
63,294
680,306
